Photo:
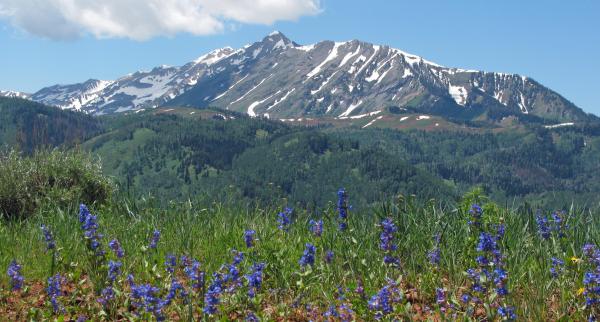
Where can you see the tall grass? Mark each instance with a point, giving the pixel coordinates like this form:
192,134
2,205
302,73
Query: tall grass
210,231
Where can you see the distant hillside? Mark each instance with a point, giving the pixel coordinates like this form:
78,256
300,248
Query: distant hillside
27,125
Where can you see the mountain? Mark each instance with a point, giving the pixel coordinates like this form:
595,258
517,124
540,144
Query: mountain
13,94
278,78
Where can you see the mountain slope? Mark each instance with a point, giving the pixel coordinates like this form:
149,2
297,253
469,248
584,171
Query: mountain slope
278,78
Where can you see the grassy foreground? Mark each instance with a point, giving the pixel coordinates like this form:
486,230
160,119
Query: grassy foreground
399,261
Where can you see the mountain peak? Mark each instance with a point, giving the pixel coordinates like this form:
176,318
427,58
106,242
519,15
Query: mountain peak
215,56
277,40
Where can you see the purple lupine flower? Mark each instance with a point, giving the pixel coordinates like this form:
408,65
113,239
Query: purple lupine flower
89,225
329,256
255,279
155,239
440,296
249,237
507,312
14,272
434,256
342,209
54,290
331,312
346,313
238,257
308,257
557,267
145,296
107,295
213,294
387,235
383,301
192,270
251,317
81,318
543,226
83,213
48,237
114,270
115,246
284,219
170,263
476,214
316,227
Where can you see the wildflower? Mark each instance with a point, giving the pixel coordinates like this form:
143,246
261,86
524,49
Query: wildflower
145,296
346,314
174,289
154,240
316,227
507,312
557,267
238,257
48,237
106,295
543,226
434,256
54,291
284,219
440,295
116,248
391,260
331,312
89,225
329,256
308,258
476,214
170,263
383,301
14,272
249,238
251,317
213,294
342,208
387,235
255,279
83,213
195,275
114,269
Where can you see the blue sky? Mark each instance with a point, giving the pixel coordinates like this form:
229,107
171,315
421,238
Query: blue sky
555,42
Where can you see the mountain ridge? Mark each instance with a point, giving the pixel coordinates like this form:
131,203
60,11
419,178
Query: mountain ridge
278,78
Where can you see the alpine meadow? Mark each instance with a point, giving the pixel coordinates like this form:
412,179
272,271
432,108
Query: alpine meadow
280,181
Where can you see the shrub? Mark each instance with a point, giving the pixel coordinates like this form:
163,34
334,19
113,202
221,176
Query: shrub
66,178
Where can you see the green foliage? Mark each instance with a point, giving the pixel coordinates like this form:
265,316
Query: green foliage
29,126
49,177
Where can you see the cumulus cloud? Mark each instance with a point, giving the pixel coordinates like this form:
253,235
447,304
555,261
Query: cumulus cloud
144,19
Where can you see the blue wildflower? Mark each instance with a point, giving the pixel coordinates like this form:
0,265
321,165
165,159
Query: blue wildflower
316,227
145,296
170,263
89,225
557,267
83,213
383,301
192,270
507,313
331,312
54,290
308,257
48,237
543,226
387,235
115,246
342,209
249,237
155,239
284,219
114,269
255,279
440,296
346,314
107,295
213,294
329,254
476,214
14,272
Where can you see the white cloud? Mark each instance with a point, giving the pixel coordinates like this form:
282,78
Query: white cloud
144,19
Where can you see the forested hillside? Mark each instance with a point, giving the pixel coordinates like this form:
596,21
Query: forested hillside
189,153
